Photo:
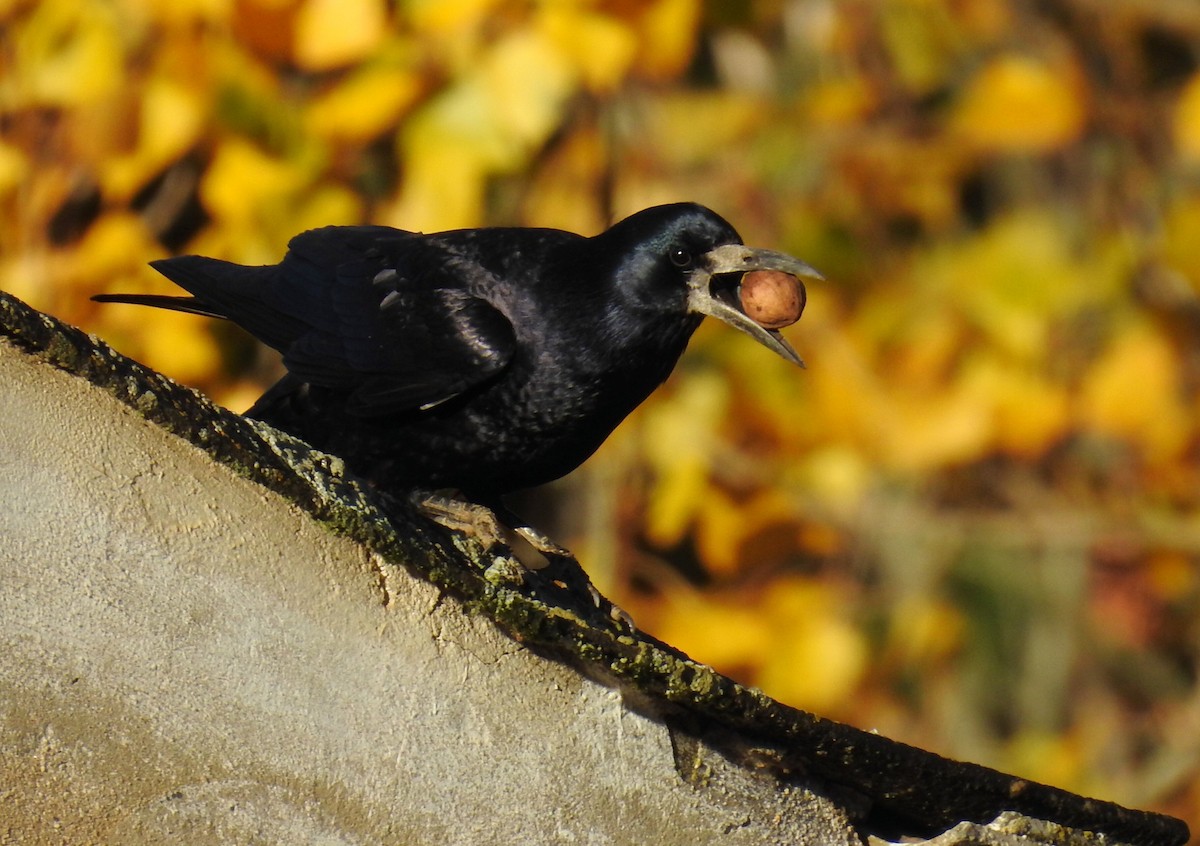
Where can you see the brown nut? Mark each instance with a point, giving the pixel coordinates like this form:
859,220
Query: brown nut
771,298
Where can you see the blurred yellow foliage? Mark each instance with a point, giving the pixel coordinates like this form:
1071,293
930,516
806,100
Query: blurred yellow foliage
1173,574
601,47
997,436
170,123
1187,120
678,445
925,631
1059,756
841,102
1020,104
793,638
666,31
1133,393
112,248
187,344
365,105
243,181
818,657
13,165
67,54
920,38
447,16
724,528
487,123
838,476
333,33
1181,232
1031,413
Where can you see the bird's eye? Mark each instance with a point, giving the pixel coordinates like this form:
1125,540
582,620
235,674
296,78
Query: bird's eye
680,257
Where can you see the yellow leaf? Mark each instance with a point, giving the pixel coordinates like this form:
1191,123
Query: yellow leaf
115,243
171,120
932,343
928,431
444,16
170,124
1011,279
67,54
759,532
836,476
1053,758
849,404
923,630
490,121
333,33
1018,104
1181,237
1133,393
13,168
671,123
726,633
181,345
1187,120
566,189
679,440
22,273
445,165
985,21
185,12
721,527
817,658
526,82
840,102
1172,574
365,105
242,179
1031,413
667,37
600,47
327,205
903,175
237,396
921,42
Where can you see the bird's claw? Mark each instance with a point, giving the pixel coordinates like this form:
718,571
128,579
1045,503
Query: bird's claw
543,544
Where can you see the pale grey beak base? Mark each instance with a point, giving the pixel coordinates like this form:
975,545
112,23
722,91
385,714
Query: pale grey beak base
736,258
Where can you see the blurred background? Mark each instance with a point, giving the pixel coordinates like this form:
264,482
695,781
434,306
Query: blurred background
972,524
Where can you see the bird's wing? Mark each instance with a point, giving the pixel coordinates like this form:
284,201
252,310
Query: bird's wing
383,315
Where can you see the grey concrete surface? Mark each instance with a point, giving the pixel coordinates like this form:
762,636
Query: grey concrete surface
186,658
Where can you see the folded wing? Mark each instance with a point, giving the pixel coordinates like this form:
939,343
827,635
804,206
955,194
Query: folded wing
380,315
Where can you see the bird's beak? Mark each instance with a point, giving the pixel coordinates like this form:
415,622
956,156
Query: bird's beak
712,289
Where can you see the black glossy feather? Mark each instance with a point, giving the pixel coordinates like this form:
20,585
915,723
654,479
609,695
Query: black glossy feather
366,310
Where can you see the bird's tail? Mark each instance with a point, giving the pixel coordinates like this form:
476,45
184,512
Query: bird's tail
187,304
248,296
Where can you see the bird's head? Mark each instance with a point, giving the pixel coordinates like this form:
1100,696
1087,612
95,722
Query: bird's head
685,258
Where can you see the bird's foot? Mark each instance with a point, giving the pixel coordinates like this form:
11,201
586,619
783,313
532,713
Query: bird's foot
468,518
494,526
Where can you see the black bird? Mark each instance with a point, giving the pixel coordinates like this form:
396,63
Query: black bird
483,360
